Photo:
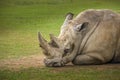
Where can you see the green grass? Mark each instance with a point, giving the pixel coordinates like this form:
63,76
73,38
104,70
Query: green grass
20,20
69,73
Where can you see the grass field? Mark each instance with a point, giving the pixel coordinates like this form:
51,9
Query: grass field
64,73
20,20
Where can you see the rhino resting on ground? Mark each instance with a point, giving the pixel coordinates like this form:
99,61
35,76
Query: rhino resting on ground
92,37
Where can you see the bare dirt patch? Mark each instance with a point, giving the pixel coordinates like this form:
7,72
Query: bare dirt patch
24,62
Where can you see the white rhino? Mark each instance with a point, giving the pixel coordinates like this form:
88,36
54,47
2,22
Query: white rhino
92,37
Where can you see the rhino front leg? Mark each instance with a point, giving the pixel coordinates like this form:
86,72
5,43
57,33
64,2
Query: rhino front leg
87,60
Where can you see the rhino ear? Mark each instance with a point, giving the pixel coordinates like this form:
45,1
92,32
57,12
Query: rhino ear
81,27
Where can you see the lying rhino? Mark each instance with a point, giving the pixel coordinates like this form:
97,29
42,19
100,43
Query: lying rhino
93,37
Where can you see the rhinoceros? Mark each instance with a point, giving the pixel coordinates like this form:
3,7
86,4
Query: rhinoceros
92,37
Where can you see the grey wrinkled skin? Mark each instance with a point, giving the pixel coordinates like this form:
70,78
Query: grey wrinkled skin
92,37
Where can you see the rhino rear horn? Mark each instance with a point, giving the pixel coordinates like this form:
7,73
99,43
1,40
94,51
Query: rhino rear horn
55,41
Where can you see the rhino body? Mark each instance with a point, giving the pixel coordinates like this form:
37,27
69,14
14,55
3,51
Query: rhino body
104,44
92,37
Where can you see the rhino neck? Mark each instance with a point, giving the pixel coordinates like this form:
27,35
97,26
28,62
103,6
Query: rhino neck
86,38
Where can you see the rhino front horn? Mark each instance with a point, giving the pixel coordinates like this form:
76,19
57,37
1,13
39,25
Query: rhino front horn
42,41
44,45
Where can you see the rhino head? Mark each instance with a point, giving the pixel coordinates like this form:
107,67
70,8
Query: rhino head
68,42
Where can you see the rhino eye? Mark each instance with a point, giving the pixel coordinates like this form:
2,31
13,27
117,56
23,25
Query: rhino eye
66,51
